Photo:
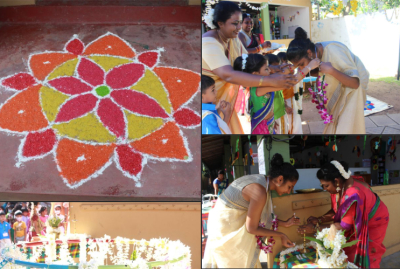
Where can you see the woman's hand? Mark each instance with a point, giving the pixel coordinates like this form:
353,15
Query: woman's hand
292,221
309,228
286,241
314,63
266,44
312,220
282,81
326,68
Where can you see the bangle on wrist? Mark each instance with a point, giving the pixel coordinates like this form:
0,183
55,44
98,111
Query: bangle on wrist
261,80
301,72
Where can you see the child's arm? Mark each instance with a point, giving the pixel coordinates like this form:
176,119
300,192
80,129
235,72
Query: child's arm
264,90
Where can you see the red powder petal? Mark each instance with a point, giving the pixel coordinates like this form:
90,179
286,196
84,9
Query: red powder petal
129,160
19,81
76,107
186,117
91,72
138,103
75,46
39,143
149,58
70,85
124,76
112,117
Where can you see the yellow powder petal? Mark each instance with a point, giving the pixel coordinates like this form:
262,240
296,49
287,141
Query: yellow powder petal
51,100
108,62
66,69
139,126
151,85
87,128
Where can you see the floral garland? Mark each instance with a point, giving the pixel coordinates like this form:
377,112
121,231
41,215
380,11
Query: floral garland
298,97
319,98
267,247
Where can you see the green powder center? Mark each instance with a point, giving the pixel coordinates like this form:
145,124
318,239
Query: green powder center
102,91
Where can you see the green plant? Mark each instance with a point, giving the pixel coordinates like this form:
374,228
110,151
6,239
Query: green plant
54,222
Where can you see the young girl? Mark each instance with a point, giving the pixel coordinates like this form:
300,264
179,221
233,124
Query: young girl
261,100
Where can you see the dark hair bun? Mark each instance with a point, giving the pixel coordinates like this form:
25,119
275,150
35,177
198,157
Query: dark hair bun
299,33
277,160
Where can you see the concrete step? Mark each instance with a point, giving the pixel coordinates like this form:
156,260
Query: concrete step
116,15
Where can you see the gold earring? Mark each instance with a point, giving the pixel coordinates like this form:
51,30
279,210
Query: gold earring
338,188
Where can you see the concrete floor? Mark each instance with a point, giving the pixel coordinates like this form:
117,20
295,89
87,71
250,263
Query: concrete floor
160,180
391,261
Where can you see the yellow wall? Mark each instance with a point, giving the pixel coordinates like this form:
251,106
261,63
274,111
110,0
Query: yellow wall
176,221
317,204
4,3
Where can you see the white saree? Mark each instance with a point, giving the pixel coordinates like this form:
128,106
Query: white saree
229,245
345,104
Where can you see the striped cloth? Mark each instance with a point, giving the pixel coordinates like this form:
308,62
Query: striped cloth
301,261
73,250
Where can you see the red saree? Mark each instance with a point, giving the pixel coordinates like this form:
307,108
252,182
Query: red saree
364,217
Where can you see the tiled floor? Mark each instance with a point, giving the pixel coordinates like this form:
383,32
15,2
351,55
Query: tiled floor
382,124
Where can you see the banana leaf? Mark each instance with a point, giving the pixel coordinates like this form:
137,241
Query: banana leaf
349,244
293,258
315,240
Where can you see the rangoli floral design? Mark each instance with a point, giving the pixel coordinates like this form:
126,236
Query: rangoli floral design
93,105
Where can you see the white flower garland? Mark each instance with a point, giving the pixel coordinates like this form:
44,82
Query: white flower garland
244,60
208,19
65,256
345,174
298,98
36,253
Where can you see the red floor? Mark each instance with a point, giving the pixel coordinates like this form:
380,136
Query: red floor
160,180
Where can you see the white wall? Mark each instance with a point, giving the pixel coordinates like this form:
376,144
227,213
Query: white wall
373,38
302,20
308,177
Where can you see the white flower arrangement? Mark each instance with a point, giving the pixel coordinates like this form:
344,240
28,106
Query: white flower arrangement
330,244
293,249
345,174
163,252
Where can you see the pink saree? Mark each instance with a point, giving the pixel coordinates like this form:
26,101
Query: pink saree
364,217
